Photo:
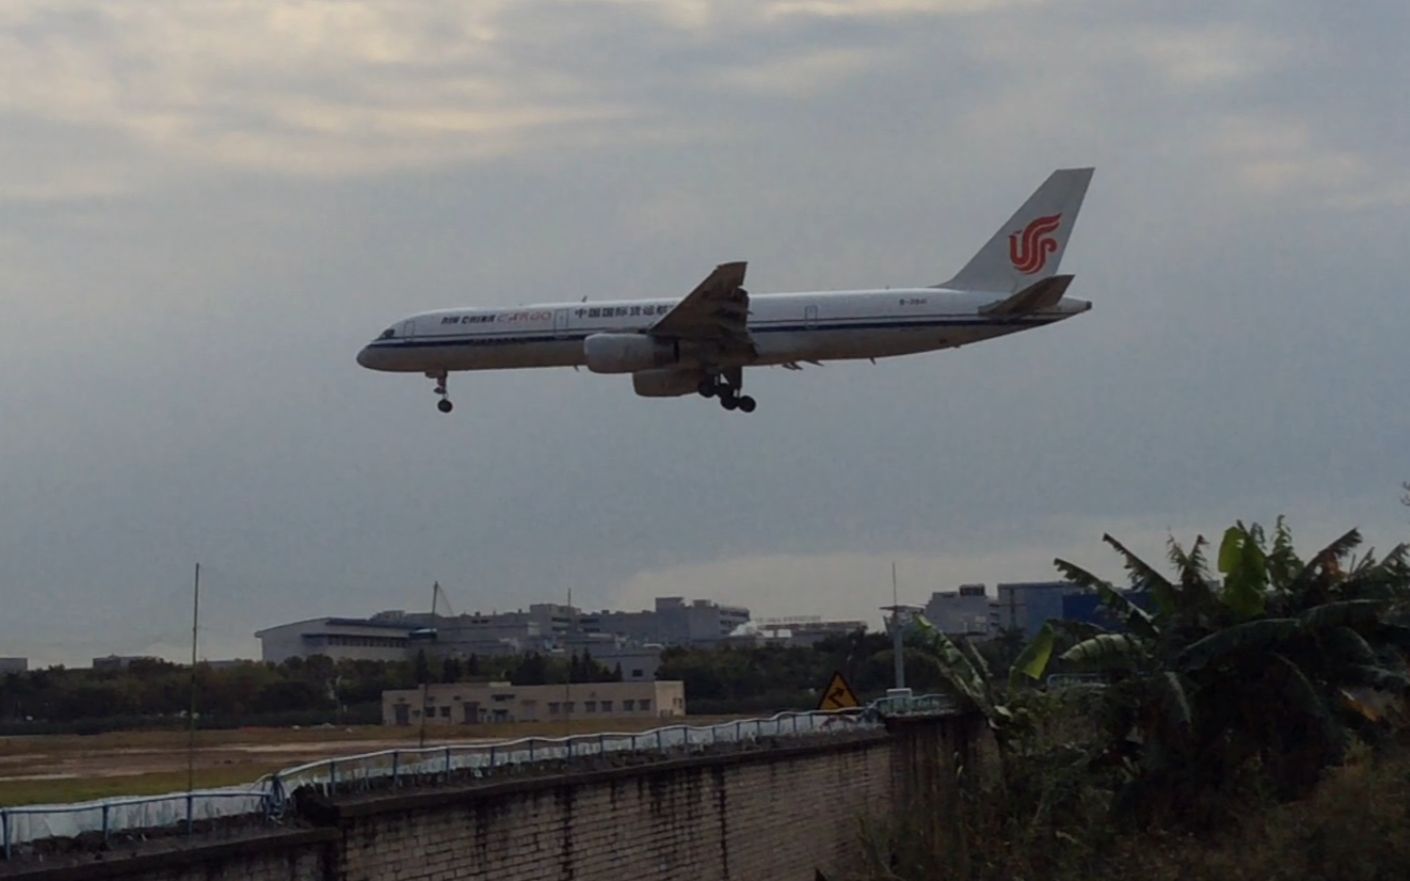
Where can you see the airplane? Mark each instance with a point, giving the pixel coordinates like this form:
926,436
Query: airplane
700,344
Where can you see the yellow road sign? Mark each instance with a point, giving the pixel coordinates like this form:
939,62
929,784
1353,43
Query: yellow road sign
838,695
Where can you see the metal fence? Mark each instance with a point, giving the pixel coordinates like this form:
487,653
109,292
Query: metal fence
396,767
413,766
28,823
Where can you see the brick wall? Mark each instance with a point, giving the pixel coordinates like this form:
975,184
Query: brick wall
776,814
299,855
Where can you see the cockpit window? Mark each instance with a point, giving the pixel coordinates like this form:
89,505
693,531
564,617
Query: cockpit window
388,333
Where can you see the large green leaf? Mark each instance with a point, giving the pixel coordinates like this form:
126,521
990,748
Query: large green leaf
1349,647
1387,579
1032,662
1175,703
1248,636
1144,576
981,666
1324,567
1299,691
1343,613
1245,570
1108,651
1283,562
1127,613
957,669
1395,635
1380,677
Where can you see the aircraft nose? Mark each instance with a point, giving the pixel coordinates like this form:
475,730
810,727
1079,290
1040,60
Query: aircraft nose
366,357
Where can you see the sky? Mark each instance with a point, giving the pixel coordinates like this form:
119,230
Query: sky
206,209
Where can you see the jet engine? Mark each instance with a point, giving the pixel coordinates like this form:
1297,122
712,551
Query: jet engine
627,352
667,383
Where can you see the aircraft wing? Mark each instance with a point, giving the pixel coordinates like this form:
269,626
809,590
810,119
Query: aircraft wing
1039,295
717,311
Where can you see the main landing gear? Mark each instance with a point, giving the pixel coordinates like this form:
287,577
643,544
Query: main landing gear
444,404
727,387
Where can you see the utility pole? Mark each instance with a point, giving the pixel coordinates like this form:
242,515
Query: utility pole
568,679
435,594
191,738
898,648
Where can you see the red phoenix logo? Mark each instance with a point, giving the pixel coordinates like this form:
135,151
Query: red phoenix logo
1030,248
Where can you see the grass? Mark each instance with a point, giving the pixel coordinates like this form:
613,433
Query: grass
154,762
29,792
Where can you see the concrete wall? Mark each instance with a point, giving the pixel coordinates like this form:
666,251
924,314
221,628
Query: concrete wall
781,813
301,855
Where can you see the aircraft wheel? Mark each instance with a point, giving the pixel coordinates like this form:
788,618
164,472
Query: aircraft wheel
707,387
729,402
444,405
747,404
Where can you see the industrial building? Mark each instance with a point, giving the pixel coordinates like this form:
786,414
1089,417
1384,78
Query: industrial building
13,665
355,639
1020,605
673,622
612,637
638,663
468,703
802,631
963,612
1028,605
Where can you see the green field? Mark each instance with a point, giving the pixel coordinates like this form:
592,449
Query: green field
69,768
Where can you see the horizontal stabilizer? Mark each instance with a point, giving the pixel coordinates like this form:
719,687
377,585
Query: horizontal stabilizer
1036,297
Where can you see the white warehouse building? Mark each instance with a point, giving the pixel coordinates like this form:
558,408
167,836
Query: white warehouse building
353,639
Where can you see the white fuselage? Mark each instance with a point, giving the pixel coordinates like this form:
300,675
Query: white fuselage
785,328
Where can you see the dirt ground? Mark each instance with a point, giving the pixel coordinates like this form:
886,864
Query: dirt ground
67,768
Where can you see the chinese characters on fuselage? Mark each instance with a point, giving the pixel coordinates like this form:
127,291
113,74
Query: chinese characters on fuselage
545,315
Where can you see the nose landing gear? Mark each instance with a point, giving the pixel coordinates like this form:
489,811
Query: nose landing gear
444,404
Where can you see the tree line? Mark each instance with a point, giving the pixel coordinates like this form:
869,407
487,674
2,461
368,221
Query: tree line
317,689
307,691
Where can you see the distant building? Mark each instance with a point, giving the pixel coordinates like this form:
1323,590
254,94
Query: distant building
803,631
541,628
673,622
1087,608
963,612
1028,605
14,665
468,703
122,662
356,639
545,627
638,663
229,663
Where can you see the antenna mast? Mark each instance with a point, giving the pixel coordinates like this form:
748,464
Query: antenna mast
191,738
426,676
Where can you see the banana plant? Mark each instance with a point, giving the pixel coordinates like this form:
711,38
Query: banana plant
1262,659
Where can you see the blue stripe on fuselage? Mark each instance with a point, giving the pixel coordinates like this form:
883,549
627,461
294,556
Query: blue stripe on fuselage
758,328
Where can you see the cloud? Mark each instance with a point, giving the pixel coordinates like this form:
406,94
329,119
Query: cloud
321,88
210,206
810,73
887,8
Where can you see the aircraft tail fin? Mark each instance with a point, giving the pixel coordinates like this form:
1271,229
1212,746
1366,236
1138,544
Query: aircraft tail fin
1029,247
